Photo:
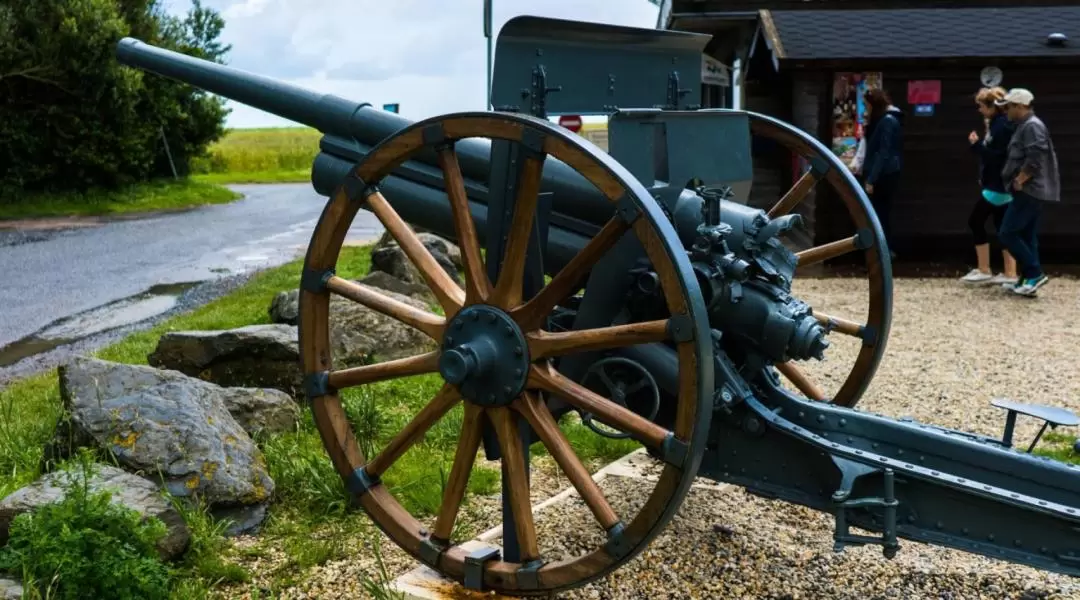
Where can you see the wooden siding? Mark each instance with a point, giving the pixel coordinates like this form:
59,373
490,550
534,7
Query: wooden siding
691,7
940,180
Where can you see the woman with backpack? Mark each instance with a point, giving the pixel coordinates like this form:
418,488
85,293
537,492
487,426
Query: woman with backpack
992,149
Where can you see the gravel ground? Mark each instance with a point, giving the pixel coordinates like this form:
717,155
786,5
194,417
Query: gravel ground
951,350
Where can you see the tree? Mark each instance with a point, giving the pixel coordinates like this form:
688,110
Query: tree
72,117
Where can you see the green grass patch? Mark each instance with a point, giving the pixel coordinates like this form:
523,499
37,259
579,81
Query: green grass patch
1055,445
310,498
165,194
267,155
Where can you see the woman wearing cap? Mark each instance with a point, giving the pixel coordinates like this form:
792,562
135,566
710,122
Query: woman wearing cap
992,149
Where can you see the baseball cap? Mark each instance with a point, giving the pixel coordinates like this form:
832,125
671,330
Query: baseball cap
1019,96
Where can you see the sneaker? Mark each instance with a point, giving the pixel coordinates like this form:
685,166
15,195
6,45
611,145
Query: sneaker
1029,287
977,276
1003,278
1012,284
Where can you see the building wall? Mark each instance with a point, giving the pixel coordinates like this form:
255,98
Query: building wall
940,180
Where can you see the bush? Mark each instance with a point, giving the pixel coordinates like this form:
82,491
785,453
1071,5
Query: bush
73,118
86,547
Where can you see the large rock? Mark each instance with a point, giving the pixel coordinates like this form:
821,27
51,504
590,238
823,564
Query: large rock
261,356
285,307
127,490
10,589
391,259
166,426
359,335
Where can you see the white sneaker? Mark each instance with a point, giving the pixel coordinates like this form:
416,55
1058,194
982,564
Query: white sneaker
977,276
1003,278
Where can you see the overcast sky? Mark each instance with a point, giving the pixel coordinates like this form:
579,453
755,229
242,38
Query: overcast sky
427,55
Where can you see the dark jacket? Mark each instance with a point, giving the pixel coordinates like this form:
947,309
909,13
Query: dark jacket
1031,150
992,151
885,146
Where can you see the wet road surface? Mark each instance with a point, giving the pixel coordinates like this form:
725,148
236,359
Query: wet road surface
58,286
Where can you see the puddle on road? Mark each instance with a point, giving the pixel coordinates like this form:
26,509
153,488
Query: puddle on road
127,311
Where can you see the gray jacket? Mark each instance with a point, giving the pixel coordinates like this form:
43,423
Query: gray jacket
1032,150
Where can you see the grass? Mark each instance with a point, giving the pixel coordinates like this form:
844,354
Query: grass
165,194
310,496
267,155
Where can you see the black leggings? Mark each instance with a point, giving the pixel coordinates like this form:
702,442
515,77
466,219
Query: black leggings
977,220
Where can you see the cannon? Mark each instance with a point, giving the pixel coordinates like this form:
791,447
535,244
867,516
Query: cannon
647,257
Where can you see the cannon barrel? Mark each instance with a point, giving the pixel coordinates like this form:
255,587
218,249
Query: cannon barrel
351,129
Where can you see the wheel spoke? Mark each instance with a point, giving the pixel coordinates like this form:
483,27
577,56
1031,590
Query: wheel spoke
446,399
477,285
391,369
468,446
513,459
795,375
545,377
794,196
446,290
828,251
842,325
532,313
508,289
541,420
543,344
427,323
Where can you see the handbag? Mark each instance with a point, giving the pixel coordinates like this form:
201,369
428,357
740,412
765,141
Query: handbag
997,198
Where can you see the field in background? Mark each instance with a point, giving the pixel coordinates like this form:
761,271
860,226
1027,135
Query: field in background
285,154
267,155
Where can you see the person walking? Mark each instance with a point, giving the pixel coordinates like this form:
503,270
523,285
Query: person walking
992,149
884,156
1031,171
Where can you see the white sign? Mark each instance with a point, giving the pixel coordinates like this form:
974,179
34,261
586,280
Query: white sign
990,76
714,72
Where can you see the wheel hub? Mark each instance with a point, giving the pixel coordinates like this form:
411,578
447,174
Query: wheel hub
485,355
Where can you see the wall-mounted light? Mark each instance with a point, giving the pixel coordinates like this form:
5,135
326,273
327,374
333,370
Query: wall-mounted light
1056,39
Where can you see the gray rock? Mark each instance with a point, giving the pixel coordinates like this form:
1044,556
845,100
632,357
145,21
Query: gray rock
164,425
285,307
385,281
435,243
259,356
359,335
391,259
260,410
127,490
10,589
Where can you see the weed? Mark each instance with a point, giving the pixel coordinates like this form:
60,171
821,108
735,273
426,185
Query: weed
85,546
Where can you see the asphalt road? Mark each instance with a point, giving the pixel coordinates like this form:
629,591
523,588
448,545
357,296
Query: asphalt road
48,277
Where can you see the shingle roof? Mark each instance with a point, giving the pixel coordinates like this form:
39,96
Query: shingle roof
934,32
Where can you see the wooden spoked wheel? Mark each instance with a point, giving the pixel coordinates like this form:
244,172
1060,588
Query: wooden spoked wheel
867,238
494,357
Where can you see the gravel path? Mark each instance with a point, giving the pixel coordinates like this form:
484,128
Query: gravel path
951,350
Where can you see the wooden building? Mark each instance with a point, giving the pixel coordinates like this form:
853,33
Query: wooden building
796,56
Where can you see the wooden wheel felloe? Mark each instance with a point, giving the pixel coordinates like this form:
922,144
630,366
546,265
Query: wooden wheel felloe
867,238
495,357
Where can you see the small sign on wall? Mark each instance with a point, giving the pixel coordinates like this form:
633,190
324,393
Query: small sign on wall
924,110
926,91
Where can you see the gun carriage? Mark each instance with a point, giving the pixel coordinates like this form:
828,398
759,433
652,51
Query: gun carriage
636,288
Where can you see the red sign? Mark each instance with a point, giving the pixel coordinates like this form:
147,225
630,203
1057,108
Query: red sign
571,122
927,91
